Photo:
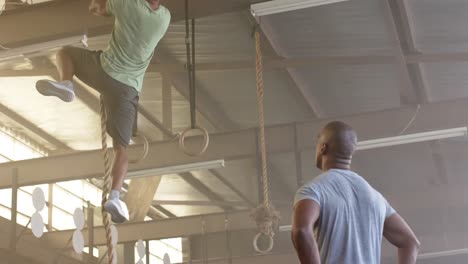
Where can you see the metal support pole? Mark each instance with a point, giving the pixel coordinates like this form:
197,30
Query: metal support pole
147,252
90,232
14,208
166,103
50,208
298,158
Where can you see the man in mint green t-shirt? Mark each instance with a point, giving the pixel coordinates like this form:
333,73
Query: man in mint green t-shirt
117,74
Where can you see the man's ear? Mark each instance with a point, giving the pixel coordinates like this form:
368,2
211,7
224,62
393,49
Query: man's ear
323,148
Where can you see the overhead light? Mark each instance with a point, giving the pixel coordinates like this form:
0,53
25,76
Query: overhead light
40,48
206,165
446,253
279,6
412,138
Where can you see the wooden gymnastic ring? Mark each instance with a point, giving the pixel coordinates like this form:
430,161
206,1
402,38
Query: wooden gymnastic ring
206,141
271,243
145,149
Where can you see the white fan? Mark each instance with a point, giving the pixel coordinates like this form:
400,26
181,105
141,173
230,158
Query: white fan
39,202
141,251
78,239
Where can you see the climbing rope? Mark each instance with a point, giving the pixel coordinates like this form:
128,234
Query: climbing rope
265,215
106,184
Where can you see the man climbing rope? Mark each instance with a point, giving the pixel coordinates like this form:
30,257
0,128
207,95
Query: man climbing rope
350,217
117,74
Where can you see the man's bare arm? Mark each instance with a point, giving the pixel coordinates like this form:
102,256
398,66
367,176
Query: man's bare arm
397,232
306,213
98,8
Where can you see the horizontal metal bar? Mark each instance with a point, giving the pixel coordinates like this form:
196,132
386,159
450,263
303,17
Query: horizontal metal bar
40,47
32,21
160,229
445,253
200,203
412,138
197,166
233,145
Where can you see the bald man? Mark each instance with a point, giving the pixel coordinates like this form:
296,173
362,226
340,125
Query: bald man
348,216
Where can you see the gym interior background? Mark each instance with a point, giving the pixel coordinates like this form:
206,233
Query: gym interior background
386,67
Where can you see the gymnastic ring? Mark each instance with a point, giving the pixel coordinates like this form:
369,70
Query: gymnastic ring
206,141
145,149
271,243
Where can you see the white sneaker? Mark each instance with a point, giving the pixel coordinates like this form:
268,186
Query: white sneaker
118,210
63,90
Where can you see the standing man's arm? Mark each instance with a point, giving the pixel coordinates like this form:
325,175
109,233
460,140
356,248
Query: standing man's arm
397,232
306,213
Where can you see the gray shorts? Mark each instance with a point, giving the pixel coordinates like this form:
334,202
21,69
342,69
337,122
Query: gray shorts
120,100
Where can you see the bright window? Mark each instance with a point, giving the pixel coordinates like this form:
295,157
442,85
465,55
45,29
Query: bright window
67,196
158,248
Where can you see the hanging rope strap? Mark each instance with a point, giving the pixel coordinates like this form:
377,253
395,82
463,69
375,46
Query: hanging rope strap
265,215
139,137
106,184
190,46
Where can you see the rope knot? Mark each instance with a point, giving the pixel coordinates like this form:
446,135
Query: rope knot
267,219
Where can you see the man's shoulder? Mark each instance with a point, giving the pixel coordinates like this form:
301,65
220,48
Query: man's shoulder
165,12
319,179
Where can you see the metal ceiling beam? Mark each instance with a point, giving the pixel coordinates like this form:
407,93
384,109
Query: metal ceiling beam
315,61
163,210
160,229
202,188
271,64
419,73
407,89
28,248
301,85
403,20
15,258
236,145
26,73
167,111
32,21
404,24
199,203
241,195
29,126
206,105
437,57
153,212
289,258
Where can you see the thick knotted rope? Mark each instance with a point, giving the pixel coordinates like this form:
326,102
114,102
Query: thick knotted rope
265,215
106,184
